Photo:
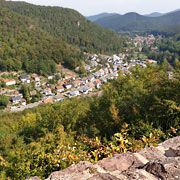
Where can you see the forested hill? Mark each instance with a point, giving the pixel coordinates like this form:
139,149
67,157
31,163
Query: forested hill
136,22
99,16
23,45
169,51
70,26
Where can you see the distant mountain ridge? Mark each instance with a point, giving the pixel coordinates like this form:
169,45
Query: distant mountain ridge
99,16
157,14
105,14
136,22
154,14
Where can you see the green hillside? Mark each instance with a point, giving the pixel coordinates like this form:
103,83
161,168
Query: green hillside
99,16
23,45
169,50
70,26
168,31
141,110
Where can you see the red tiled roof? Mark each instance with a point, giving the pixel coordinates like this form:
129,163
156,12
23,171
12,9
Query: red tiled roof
59,87
9,80
90,85
77,82
48,101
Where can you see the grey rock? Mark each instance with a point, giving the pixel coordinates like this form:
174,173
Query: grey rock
154,163
101,176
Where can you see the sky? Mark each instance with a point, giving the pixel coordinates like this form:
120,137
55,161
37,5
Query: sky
92,7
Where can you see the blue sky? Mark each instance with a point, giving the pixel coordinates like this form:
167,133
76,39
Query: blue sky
91,7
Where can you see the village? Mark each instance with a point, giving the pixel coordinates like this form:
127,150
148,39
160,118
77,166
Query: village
37,89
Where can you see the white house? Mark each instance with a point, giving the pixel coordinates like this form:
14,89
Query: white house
23,102
36,77
25,78
10,82
16,99
50,77
74,93
46,91
59,89
97,83
58,98
84,89
68,86
76,83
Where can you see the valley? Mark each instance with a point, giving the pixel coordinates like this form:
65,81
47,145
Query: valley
76,88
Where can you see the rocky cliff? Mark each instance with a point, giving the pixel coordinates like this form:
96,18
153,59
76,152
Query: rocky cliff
154,163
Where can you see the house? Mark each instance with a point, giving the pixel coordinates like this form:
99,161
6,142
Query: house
68,86
106,71
50,77
109,59
84,80
116,58
16,99
93,64
101,72
110,76
24,78
33,93
84,89
108,65
10,82
110,70
151,61
87,68
103,80
59,88
68,76
115,68
96,74
74,93
90,78
36,77
47,92
125,64
76,83
38,83
115,75
97,83
170,74
91,86
58,98
23,102
48,100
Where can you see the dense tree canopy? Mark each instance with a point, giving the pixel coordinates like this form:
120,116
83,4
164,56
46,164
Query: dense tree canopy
70,26
167,24
51,137
169,49
23,45
3,101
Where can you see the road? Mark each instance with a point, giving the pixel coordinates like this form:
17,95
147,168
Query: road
22,108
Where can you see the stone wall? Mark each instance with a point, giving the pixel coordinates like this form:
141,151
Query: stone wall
154,163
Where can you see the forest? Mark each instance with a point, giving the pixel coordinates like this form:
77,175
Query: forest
167,24
135,111
37,38
23,45
71,27
169,51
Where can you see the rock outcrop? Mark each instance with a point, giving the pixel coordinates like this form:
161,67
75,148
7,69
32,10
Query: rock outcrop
154,163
